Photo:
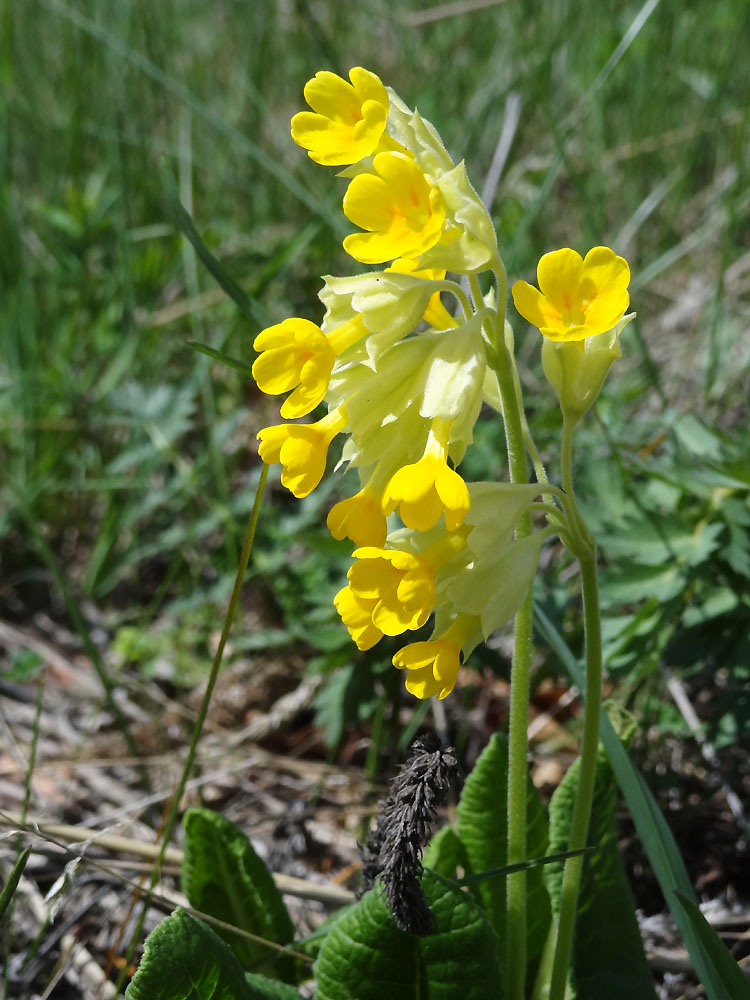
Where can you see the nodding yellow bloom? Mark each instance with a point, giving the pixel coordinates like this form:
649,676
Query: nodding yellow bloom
428,488
347,120
396,588
577,298
393,590
296,354
359,518
402,211
302,450
433,665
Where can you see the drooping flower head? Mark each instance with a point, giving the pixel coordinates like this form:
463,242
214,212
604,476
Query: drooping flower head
392,589
302,450
577,298
433,665
428,488
347,120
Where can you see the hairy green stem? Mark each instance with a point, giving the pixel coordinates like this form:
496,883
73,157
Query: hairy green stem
585,793
174,805
519,701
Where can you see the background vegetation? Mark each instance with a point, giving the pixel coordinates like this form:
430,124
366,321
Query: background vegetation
129,460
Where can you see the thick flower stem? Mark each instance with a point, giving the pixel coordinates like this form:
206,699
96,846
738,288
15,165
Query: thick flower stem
584,796
519,708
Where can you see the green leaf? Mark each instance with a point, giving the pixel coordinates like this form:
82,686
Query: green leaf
226,359
224,877
366,956
482,829
262,988
651,826
184,960
608,959
445,853
730,983
13,879
251,308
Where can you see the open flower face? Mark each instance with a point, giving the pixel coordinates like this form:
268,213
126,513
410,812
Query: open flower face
347,120
577,298
402,211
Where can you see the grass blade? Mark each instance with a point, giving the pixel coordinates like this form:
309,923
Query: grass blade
660,846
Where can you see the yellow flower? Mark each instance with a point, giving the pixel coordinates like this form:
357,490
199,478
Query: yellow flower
428,488
359,518
399,585
433,665
296,354
391,590
578,298
357,616
348,119
402,211
302,450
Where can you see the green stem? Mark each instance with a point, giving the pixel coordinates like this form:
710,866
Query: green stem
585,793
202,713
519,700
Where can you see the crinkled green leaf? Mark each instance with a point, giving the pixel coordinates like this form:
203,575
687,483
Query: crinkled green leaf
608,958
224,877
482,829
445,853
184,960
367,957
262,988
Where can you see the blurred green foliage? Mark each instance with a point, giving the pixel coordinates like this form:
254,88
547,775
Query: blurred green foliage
134,454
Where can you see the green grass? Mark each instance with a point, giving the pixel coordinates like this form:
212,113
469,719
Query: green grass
133,454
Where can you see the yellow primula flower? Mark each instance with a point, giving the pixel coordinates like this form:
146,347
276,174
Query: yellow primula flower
302,450
428,488
296,354
433,665
399,585
359,518
577,298
347,120
392,590
401,209
357,616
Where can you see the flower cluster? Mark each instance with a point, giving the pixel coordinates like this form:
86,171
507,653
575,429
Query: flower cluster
404,359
